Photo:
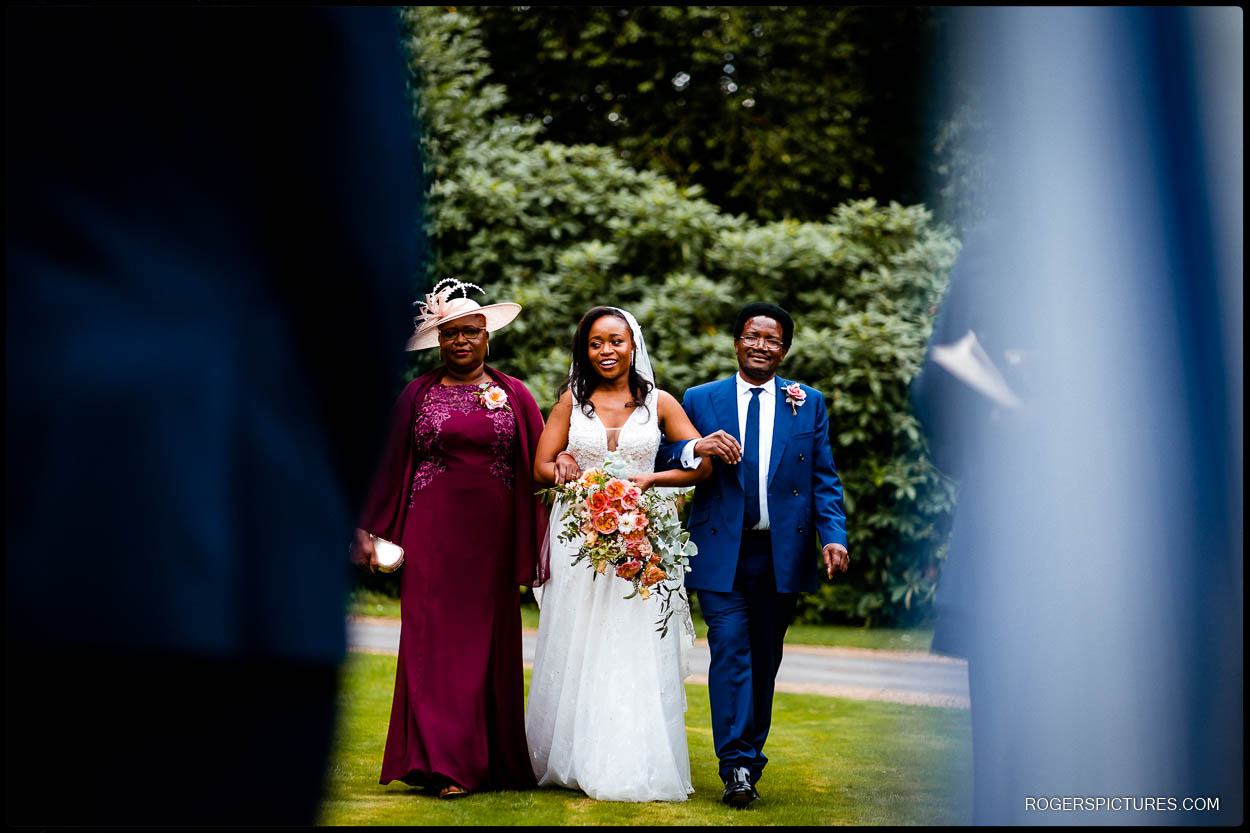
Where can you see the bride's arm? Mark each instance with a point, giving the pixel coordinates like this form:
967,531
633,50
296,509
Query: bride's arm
553,466
677,428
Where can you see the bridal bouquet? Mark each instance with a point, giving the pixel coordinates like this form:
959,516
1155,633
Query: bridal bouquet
635,534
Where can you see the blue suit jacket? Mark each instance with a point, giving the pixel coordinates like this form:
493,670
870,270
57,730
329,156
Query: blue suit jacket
804,492
208,267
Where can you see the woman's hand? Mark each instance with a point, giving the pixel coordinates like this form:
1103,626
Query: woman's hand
566,468
362,551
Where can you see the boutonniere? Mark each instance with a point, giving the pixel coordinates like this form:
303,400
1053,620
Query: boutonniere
794,396
492,397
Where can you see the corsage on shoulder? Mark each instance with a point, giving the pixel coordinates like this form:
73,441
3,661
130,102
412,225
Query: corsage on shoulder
492,397
795,396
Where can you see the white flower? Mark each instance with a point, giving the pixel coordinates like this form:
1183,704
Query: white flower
494,398
627,523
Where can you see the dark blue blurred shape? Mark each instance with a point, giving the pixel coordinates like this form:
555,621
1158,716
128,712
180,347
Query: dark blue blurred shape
1095,577
211,221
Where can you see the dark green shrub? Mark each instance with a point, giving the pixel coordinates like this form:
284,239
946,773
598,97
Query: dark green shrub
559,229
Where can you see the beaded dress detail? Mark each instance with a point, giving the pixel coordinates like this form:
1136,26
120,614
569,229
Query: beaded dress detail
431,447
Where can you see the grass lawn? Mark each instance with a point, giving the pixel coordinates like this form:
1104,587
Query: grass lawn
833,761
372,603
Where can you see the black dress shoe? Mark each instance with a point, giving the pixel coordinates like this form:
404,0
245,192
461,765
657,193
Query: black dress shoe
738,790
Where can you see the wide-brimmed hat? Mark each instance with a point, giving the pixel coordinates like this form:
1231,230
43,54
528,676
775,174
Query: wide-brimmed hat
439,307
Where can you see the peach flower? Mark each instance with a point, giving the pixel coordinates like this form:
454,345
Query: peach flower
629,569
606,522
629,500
494,398
616,488
653,574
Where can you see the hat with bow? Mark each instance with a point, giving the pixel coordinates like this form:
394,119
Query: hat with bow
439,308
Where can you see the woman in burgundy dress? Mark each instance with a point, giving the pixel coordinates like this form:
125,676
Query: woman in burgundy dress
455,489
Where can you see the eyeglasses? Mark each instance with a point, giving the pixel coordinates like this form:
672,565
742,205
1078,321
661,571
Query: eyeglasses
759,341
451,333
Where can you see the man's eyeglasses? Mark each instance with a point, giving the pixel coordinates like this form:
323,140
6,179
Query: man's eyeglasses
451,333
758,341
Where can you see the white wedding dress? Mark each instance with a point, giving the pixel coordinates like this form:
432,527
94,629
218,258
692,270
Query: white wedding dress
606,711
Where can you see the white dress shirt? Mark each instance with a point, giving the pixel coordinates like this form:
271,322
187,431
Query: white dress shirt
768,410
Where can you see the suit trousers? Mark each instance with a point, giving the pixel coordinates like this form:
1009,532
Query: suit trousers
746,632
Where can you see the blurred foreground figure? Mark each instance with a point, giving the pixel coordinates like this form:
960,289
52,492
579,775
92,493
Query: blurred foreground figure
210,219
1095,575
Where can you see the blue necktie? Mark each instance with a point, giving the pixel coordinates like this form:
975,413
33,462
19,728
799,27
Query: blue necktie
751,461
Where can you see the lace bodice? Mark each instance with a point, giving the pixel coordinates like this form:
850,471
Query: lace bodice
637,442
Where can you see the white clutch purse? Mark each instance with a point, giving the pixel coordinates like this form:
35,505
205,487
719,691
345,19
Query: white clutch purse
390,556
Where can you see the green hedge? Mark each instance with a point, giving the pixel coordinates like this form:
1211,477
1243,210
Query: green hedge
560,228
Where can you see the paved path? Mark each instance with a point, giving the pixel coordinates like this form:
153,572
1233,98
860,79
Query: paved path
910,677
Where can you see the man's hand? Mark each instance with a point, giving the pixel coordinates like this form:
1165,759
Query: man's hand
836,556
719,444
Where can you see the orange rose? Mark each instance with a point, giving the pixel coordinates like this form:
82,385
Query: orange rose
616,489
606,522
597,502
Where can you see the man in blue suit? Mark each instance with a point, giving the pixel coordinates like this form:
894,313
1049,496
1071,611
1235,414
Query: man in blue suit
774,488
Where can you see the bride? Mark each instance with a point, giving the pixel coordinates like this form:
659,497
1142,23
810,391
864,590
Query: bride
606,712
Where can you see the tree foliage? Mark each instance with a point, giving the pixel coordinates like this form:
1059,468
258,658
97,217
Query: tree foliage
560,228
777,111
